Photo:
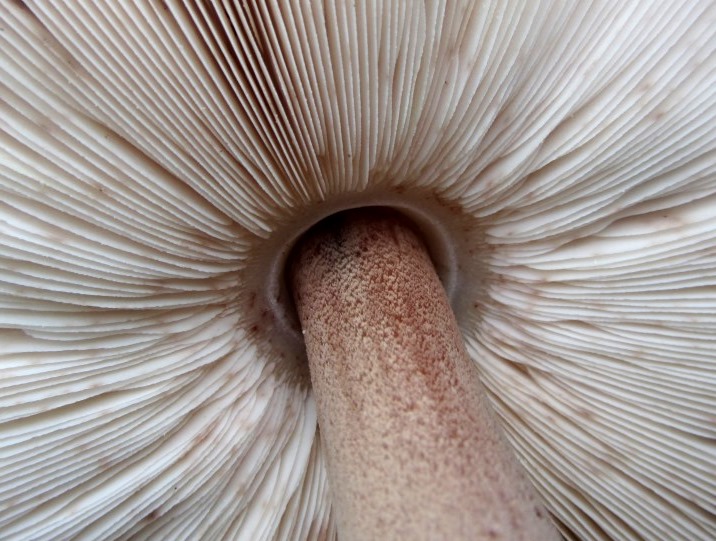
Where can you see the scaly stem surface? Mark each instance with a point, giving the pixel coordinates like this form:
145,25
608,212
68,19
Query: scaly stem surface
413,450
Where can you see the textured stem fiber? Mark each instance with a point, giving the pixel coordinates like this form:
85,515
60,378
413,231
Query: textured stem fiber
413,451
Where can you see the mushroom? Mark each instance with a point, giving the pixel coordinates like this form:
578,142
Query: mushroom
160,160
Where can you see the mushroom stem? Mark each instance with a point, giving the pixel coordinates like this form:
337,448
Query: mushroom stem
413,450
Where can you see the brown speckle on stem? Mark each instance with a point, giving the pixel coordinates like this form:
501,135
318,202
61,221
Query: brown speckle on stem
413,450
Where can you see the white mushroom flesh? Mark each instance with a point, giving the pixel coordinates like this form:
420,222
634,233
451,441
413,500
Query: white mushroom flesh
155,157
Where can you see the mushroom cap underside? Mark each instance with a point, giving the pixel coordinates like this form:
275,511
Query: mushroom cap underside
156,157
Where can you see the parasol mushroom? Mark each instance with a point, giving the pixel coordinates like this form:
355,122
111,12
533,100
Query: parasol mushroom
159,161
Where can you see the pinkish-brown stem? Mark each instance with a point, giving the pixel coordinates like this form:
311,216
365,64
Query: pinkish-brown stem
413,450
